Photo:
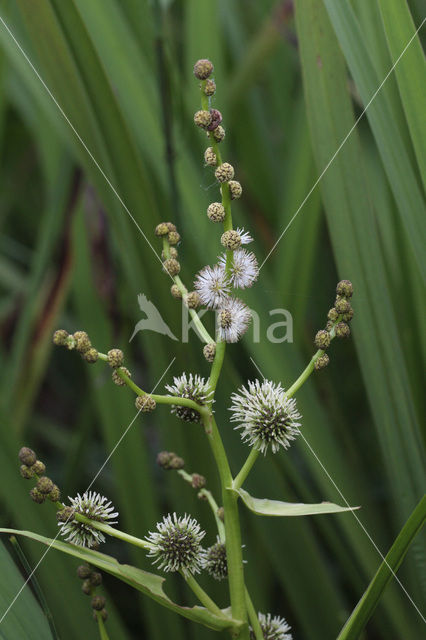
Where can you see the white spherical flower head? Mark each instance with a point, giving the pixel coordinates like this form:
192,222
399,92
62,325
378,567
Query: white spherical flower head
176,545
215,562
266,416
273,628
193,387
93,506
244,270
245,236
233,319
212,285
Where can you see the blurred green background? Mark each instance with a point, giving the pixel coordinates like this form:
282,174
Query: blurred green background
291,80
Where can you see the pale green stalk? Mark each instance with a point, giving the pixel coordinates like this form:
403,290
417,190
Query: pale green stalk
101,626
254,620
202,596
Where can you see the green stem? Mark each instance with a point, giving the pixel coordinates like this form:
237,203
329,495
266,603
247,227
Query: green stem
369,601
101,625
115,533
254,620
245,469
202,596
212,503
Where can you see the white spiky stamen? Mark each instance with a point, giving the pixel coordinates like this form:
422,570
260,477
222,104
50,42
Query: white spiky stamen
266,415
176,545
233,319
193,387
245,236
244,269
212,285
93,506
273,628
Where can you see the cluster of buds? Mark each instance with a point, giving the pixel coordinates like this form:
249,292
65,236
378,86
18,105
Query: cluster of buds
168,231
169,461
79,341
337,324
33,468
91,580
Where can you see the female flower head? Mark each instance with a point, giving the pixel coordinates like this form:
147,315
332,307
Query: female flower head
215,562
93,506
176,545
193,387
233,319
265,415
273,628
212,285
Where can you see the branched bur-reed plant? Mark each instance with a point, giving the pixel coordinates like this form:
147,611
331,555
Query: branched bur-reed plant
264,412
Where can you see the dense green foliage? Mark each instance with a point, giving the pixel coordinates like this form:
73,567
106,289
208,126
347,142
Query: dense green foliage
290,89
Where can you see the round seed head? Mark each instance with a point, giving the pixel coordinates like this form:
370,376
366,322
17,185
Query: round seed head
322,340
27,456
45,485
145,403
83,571
193,300
173,237
235,189
202,119
117,379
55,494
209,351
193,387
210,157
219,133
216,119
82,342
161,229
342,330
224,172
231,240
203,69
175,291
91,356
59,337
321,362
98,602
115,358
171,266
93,506
342,306
345,288
209,87
37,496
197,481
216,563
216,212
39,468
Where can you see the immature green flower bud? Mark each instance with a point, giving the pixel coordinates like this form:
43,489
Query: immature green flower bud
221,514
26,472
117,379
209,87
347,317
235,189
162,229
329,325
83,571
332,315
197,481
342,330
115,358
342,305
175,291
45,485
70,343
216,119
321,362
59,337
209,351
322,339
224,172
176,463
210,157
91,356
216,212
27,456
173,253
163,459
39,468
231,240
98,602
95,578
171,266
218,133
37,496
173,237
65,514
87,588
55,494
203,69
193,300
345,288
171,226
82,342
145,403
202,119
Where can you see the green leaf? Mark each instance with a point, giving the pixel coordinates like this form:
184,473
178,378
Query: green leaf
148,583
266,507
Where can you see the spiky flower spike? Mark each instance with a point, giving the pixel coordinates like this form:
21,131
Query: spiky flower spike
273,628
215,562
266,415
193,387
176,545
233,319
93,506
212,285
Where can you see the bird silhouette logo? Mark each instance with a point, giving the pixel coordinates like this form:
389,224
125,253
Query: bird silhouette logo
153,320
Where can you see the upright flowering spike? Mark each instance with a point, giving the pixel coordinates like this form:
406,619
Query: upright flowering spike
93,506
193,387
215,562
265,415
176,545
233,319
212,285
244,270
273,628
